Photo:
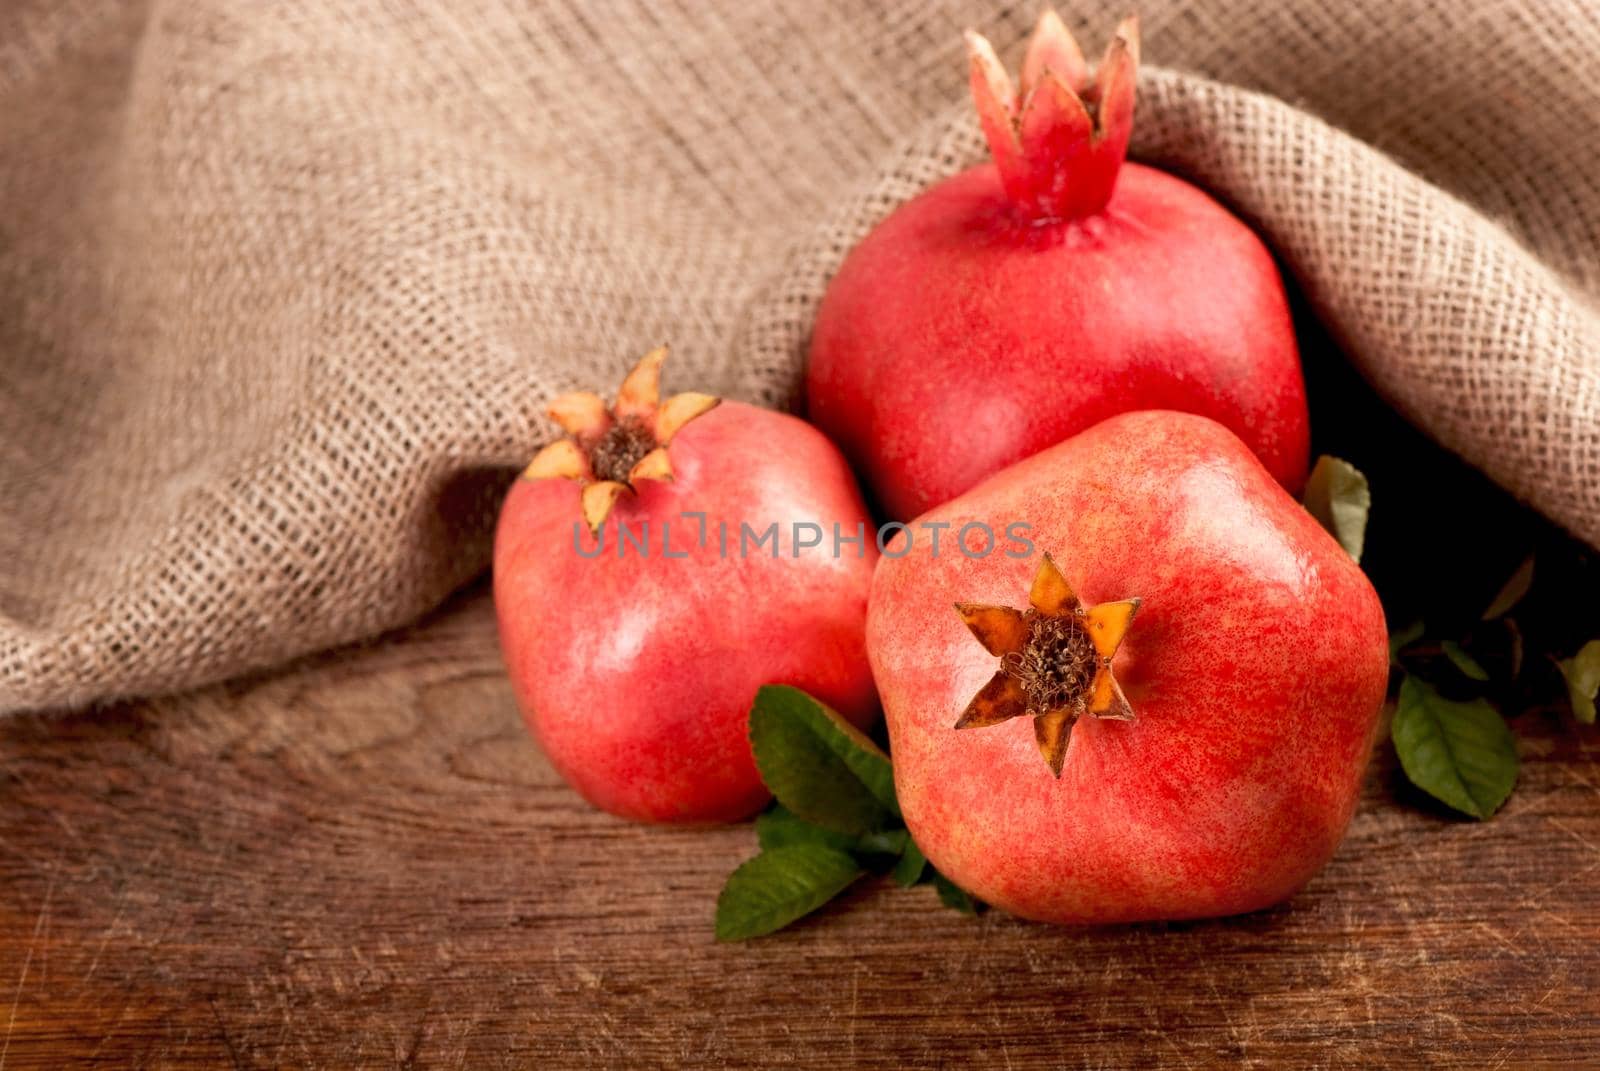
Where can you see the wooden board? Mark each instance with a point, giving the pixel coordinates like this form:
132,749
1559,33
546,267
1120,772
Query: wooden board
364,861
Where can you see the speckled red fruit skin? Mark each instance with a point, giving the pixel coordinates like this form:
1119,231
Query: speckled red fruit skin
636,674
959,337
1255,667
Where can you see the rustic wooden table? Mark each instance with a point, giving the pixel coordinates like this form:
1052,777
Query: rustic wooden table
363,860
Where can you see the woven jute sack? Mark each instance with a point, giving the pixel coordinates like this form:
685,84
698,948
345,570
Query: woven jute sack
284,287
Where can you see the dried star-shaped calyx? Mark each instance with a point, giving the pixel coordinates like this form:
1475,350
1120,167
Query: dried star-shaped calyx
609,451
1060,140
1055,661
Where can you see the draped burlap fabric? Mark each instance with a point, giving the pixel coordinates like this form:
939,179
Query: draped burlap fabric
284,286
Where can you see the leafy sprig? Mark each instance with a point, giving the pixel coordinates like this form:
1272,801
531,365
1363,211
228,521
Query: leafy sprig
1450,730
834,820
1459,751
1491,676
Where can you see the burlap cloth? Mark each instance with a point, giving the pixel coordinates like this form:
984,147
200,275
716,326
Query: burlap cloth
284,286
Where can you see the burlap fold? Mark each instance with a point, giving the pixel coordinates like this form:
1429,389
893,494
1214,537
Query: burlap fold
283,287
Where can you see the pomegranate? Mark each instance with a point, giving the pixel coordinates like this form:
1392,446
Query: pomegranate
1024,300
656,567
1202,664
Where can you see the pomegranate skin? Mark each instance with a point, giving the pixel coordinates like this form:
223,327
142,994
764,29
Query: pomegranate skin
636,673
962,335
1255,667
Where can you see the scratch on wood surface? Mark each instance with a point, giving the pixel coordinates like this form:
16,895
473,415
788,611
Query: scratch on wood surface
227,1039
1536,901
1576,778
855,1006
1497,937
1240,1037
39,925
108,1034
119,915
408,1059
1550,992
1177,1050
1575,835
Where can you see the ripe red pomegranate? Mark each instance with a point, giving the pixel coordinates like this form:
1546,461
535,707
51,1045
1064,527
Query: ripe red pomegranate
654,569
1202,664
1022,301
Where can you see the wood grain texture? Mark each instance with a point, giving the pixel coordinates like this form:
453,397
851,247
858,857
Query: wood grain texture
364,861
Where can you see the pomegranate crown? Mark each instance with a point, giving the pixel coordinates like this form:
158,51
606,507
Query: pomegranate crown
1055,661
1059,141
609,450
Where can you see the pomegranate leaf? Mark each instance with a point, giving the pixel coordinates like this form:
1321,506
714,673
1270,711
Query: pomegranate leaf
818,765
1402,638
779,886
779,827
953,895
835,818
1582,673
908,871
1513,591
1458,656
1338,497
890,843
1461,754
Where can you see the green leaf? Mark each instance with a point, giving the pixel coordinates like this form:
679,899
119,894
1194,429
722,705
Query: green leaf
818,765
953,895
908,871
1462,754
1582,672
779,886
1513,591
1516,647
1403,638
779,827
1338,497
890,842
1459,658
